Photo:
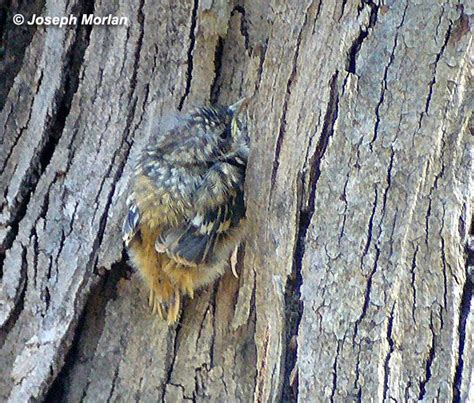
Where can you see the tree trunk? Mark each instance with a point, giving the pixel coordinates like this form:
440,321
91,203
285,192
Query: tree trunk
354,282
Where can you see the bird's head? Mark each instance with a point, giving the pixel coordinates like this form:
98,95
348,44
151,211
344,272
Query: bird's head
204,135
211,132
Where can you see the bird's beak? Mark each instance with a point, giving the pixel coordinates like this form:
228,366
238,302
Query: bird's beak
239,106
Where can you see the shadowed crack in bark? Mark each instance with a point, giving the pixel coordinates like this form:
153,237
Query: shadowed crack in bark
293,304
171,358
384,80
413,284
465,309
192,42
19,302
90,326
363,34
377,244
370,228
215,88
391,349
429,361
435,68
334,370
243,24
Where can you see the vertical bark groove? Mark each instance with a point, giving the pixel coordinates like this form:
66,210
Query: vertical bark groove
192,41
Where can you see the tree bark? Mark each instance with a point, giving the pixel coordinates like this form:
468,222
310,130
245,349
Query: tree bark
355,280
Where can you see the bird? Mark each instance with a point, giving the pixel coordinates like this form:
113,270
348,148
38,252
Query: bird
186,208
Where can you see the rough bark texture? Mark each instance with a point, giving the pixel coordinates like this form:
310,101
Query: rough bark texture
355,278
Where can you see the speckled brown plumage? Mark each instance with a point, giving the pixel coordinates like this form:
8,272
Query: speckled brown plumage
186,205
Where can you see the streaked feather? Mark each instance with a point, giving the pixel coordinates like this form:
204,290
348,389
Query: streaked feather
193,243
130,224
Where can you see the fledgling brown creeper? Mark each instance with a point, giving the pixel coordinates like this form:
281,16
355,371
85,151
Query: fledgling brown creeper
186,205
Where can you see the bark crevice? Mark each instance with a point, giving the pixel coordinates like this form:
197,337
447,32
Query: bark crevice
391,349
435,69
192,42
218,54
429,362
384,79
465,310
293,303
89,328
363,34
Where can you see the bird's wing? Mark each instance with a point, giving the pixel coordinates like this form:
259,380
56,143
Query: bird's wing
130,224
193,243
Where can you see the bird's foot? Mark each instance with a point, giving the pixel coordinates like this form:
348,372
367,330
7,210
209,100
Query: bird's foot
167,308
